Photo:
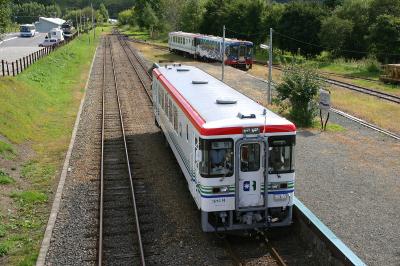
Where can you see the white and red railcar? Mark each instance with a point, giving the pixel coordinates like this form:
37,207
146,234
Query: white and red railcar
237,156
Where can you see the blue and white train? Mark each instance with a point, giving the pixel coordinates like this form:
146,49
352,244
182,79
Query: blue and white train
237,156
237,53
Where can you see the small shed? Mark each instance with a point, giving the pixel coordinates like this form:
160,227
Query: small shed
46,24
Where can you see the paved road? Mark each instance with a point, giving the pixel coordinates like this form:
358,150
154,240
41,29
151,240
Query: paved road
13,46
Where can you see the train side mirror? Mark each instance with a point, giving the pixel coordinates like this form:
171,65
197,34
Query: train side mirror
199,155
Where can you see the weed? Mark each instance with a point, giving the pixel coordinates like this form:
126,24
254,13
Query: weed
2,230
5,179
7,150
5,247
29,197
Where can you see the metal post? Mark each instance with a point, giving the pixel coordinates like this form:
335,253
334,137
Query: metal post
2,67
270,67
223,52
13,70
76,21
20,65
16,67
94,30
8,70
23,59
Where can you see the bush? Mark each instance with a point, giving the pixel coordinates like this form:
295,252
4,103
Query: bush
300,86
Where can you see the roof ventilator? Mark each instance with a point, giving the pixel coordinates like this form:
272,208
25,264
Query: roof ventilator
225,101
182,69
242,116
199,82
176,64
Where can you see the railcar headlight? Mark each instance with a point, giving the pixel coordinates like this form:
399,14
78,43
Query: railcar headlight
224,189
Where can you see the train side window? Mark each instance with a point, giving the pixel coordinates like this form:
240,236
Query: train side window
187,133
180,129
175,118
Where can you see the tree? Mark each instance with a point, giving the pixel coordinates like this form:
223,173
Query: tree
5,13
215,16
300,85
383,7
149,18
335,33
244,18
301,22
191,16
126,17
104,12
355,11
384,38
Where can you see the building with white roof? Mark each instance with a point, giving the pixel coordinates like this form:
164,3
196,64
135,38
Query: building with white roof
46,24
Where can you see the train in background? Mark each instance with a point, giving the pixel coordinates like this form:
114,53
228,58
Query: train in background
238,53
27,30
391,74
237,156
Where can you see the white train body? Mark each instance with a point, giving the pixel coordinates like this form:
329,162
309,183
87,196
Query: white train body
228,147
238,53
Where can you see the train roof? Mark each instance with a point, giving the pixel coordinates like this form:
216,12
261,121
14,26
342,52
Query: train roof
209,37
214,107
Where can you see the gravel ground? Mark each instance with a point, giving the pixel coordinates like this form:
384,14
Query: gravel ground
74,236
349,179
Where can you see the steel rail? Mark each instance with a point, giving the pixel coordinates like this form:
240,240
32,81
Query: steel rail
139,238
135,68
381,95
143,262
101,201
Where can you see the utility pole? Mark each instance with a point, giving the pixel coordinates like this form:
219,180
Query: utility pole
76,21
223,52
94,29
270,67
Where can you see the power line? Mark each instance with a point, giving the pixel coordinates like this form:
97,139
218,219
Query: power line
308,43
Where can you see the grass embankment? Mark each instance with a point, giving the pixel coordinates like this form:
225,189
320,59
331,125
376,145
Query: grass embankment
136,33
37,110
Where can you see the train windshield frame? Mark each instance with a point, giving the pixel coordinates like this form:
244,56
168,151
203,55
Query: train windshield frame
281,154
217,157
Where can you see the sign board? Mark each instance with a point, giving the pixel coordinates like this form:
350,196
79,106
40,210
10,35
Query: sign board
324,100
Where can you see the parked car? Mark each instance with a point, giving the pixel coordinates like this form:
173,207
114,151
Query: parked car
48,42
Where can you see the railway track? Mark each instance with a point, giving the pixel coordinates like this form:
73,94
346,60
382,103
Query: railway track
379,94
363,90
120,240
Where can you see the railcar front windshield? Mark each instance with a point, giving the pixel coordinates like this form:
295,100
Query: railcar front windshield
281,154
217,157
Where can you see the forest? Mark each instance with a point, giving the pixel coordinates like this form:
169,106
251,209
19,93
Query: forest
328,28
333,28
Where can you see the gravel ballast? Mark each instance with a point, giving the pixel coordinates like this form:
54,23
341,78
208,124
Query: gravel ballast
350,179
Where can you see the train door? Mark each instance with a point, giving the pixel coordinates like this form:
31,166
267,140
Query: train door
250,174
242,53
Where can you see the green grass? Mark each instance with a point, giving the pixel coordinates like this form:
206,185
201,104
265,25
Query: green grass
7,151
38,108
136,33
29,197
5,179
